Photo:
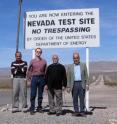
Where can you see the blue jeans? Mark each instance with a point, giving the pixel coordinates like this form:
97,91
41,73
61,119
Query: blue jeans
78,93
37,82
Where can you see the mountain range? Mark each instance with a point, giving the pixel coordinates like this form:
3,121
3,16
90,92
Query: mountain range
97,66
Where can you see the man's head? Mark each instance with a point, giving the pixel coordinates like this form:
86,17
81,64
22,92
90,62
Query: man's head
18,56
76,58
38,52
55,58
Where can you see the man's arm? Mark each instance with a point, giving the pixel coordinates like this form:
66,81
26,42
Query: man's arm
24,69
13,69
29,71
64,77
46,78
68,76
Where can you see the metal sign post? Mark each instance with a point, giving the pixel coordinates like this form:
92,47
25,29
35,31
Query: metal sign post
33,53
87,90
18,27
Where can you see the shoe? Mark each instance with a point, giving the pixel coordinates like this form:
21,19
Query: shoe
88,112
82,114
32,112
25,109
58,114
39,109
51,113
75,114
14,110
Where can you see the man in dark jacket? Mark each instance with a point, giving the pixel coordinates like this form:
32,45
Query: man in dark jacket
56,80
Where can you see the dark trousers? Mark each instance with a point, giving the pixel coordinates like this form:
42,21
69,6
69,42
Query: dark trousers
37,83
78,94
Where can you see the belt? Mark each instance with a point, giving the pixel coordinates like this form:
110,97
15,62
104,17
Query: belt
19,77
38,75
78,81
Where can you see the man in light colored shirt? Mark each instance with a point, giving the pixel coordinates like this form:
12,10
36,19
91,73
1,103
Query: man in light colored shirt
77,72
77,81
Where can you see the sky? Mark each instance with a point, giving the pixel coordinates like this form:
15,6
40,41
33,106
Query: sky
9,20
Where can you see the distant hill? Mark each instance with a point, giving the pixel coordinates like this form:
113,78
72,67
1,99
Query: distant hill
103,66
4,72
99,66
107,68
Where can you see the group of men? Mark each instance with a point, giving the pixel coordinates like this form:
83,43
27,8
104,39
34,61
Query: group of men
54,78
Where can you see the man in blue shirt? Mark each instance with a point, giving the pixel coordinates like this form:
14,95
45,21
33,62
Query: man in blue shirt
77,81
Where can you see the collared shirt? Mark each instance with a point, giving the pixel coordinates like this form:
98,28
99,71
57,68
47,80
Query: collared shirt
37,67
77,73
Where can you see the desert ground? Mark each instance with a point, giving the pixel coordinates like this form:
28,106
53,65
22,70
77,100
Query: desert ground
102,102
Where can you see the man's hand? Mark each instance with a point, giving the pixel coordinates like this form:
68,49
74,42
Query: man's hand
29,83
46,87
22,69
63,88
87,87
68,89
15,71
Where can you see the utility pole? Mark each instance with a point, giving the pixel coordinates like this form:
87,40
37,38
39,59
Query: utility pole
18,26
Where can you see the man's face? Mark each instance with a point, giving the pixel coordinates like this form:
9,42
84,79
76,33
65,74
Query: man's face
38,52
18,56
55,59
76,58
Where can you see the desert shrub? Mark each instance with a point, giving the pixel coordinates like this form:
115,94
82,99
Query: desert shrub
5,83
110,78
